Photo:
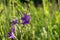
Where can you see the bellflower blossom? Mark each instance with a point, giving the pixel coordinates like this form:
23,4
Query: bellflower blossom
11,35
14,22
26,19
13,29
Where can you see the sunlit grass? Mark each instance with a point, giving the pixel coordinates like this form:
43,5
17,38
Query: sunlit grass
45,21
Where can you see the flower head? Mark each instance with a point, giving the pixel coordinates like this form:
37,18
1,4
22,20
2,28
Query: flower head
13,29
26,19
11,35
15,21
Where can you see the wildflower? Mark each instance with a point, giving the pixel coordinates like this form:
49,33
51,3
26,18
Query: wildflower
13,29
26,19
11,35
15,21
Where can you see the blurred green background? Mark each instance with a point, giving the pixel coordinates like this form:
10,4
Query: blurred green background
45,19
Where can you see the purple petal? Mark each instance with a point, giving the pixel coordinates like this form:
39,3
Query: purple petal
14,21
26,19
13,29
11,35
26,22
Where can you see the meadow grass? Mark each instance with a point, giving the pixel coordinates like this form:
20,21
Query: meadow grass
45,20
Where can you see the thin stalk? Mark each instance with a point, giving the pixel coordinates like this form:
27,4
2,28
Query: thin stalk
20,32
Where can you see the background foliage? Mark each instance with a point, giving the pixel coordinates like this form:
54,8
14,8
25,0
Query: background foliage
45,19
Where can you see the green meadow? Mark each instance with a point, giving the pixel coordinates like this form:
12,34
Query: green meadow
44,24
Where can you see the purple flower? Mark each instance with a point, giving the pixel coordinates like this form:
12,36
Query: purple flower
26,19
13,29
11,35
14,21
